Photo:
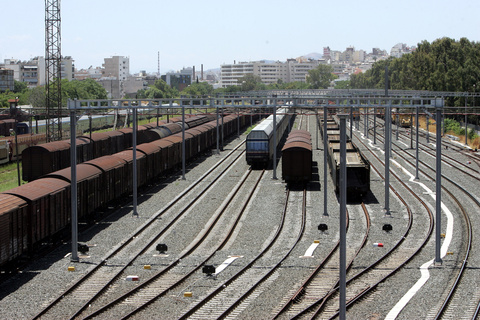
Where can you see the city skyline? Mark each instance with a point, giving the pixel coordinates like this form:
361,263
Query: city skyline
213,33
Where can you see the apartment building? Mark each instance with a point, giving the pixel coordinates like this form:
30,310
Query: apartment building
32,72
269,72
117,67
6,80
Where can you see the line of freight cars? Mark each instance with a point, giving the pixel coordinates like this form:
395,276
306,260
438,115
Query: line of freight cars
259,144
39,160
358,167
34,212
30,134
297,157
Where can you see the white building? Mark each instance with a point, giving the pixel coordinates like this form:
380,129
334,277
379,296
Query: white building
269,72
117,67
400,49
32,72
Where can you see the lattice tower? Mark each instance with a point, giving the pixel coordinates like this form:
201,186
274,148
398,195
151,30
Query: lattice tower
53,59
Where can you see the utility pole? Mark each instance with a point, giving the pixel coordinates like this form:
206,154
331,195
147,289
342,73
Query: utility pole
53,75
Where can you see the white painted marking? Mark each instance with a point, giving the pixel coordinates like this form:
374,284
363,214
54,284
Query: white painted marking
225,264
424,273
310,250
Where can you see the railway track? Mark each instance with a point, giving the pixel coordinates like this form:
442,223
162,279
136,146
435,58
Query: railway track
454,299
449,308
139,298
232,296
80,295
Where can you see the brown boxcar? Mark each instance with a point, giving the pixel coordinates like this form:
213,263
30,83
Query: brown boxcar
113,176
13,227
117,142
152,154
166,155
127,156
84,149
48,207
175,152
90,191
45,158
297,157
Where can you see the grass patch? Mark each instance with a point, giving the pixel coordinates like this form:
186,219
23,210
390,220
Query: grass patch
9,177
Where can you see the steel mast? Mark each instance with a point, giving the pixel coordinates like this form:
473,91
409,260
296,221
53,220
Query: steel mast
53,74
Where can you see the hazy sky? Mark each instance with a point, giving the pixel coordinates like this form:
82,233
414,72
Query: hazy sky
214,32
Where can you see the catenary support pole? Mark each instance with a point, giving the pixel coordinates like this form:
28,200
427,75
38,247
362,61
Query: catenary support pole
218,133
343,214
183,141
316,127
325,160
73,173
221,133
135,180
397,122
351,121
374,125
388,132
275,138
416,143
466,123
411,130
438,193
428,128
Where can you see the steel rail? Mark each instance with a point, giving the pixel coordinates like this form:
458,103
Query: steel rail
173,264
120,247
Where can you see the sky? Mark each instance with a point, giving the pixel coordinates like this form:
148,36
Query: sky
214,32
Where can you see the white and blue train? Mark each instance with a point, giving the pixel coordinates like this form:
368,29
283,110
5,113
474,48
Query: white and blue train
260,146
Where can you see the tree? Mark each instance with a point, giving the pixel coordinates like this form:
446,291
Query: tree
19,86
160,90
321,77
198,89
250,82
344,84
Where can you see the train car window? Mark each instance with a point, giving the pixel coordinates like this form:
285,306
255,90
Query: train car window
257,145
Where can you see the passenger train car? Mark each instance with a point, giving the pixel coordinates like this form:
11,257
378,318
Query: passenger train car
259,144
